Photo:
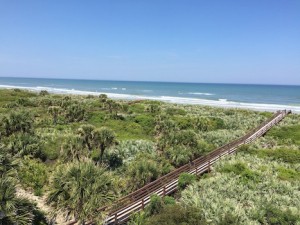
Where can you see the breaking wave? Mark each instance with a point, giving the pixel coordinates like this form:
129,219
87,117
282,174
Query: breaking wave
179,100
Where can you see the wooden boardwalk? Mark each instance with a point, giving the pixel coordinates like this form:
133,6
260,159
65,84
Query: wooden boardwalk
121,210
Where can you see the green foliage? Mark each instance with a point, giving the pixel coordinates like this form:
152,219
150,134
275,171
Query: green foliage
155,205
285,133
126,130
23,144
274,216
176,215
102,139
75,113
43,93
242,170
147,122
114,160
178,155
288,174
229,219
73,149
185,179
168,200
229,195
33,174
128,149
81,189
21,121
16,210
283,154
145,168
175,111
138,218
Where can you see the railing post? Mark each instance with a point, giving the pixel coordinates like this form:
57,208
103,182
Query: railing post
164,190
143,203
196,170
116,219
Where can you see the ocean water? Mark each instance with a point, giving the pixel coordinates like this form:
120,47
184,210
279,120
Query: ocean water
258,97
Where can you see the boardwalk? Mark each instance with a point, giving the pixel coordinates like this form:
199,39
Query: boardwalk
121,210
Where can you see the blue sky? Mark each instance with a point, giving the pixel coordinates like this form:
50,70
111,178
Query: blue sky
230,41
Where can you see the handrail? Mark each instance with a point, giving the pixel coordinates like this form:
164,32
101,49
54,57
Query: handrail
120,211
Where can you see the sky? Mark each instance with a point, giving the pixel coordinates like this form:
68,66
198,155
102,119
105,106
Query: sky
215,41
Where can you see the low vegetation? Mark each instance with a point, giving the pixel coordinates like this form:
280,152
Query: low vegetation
82,152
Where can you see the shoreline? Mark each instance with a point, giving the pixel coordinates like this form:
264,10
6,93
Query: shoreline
221,103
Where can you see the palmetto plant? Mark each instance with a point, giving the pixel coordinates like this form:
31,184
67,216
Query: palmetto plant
10,210
54,111
73,149
86,133
80,189
75,113
21,121
103,138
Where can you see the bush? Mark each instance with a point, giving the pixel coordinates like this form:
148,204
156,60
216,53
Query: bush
288,174
33,174
155,205
43,93
286,132
275,216
242,170
176,215
114,160
283,154
168,200
147,122
185,179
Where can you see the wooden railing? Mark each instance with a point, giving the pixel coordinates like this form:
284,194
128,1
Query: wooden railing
121,210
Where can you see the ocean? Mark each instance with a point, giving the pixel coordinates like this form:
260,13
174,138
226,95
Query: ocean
246,96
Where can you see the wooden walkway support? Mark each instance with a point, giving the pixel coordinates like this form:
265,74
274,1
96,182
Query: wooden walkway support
121,210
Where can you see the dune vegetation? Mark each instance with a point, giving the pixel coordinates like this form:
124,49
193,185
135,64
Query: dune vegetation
80,153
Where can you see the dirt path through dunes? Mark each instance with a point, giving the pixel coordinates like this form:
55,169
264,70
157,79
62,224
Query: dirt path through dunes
41,204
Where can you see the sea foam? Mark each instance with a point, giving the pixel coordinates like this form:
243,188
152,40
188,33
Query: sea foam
178,100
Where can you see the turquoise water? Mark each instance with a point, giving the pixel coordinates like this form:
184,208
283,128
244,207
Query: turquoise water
231,95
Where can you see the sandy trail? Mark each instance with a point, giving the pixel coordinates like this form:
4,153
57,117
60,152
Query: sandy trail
41,204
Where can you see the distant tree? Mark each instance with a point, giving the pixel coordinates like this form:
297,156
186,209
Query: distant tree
103,138
103,98
73,149
165,130
86,133
43,93
75,113
54,111
152,108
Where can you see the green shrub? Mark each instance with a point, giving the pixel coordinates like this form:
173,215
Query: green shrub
185,179
114,160
155,205
283,154
175,111
242,170
275,216
147,122
286,132
176,215
168,200
229,219
288,174
33,174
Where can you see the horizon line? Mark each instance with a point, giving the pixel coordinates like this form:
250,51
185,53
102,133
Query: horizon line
153,81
